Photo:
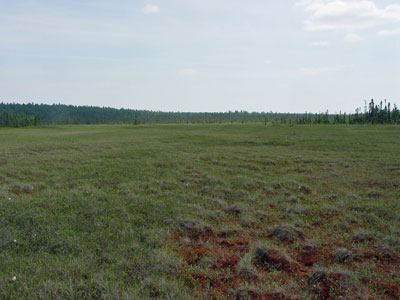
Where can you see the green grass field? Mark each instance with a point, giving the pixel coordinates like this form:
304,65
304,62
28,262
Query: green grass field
200,212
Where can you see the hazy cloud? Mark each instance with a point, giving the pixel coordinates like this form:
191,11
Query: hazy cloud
389,32
352,37
320,43
349,16
150,9
189,72
63,29
314,71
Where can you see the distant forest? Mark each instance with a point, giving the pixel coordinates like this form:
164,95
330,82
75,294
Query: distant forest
22,115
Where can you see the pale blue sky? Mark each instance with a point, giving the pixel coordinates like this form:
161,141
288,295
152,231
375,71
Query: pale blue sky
201,55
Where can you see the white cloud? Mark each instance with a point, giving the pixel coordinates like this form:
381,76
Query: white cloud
150,9
314,71
45,28
320,44
267,62
353,37
189,72
389,32
348,16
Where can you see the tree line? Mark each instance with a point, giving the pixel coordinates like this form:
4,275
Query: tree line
22,115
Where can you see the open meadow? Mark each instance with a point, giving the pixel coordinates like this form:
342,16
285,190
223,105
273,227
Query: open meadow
228,211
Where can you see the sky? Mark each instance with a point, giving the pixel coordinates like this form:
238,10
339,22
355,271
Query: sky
201,55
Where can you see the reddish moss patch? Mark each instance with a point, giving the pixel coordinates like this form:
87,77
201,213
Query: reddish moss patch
228,262
192,255
309,257
254,294
328,285
391,289
219,251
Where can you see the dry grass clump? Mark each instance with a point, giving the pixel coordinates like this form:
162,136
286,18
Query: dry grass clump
22,189
332,283
7,238
211,215
363,236
310,244
341,225
392,239
166,261
286,233
276,185
4,195
194,229
304,189
374,194
220,203
234,210
332,197
247,293
270,258
226,232
330,210
260,213
246,267
317,276
352,197
248,220
385,253
161,288
298,210
3,180
292,200
343,255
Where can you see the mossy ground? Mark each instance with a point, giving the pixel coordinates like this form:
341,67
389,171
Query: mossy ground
96,212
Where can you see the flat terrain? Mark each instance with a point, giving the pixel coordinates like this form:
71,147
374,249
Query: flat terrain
200,211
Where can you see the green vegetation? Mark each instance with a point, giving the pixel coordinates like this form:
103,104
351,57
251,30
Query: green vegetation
219,211
22,115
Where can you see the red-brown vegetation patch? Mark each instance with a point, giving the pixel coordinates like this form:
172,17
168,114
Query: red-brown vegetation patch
192,255
223,257
223,278
329,285
391,289
381,253
385,254
215,286
308,257
246,294
228,262
331,282
218,253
